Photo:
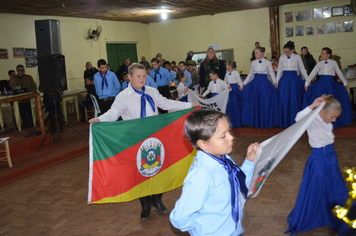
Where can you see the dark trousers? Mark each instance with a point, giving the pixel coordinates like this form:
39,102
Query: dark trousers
164,91
85,103
26,114
105,105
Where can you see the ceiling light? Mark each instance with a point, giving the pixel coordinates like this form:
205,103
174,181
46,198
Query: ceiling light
164,15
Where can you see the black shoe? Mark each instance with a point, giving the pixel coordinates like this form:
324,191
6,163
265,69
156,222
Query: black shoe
156,202
146,207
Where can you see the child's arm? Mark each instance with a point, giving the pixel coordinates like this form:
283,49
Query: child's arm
195,188
308,109
249,163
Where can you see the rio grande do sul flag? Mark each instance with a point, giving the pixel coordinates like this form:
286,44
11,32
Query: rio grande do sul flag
135,158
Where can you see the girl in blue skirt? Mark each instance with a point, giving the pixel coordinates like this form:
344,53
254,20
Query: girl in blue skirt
259,96
326,84
234,105
291,86
323,186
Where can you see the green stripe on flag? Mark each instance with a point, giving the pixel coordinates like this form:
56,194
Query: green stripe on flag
110,138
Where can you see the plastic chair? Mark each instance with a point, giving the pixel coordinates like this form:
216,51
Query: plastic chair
7,151
96,105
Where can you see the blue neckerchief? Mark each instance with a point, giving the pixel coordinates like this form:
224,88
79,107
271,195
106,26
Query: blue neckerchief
260,61
104,81
157,73
214,82
230,73
288,57
145,97
326,62
237,180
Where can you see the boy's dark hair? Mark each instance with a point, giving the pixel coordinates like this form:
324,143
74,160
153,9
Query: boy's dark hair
257,43
214,71
19,66
180,76
182,62
174,67
124,74
173,62
155,59
201,125
10,71
148,68
101,62
166,63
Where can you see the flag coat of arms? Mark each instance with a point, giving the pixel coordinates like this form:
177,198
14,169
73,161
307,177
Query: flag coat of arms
135,158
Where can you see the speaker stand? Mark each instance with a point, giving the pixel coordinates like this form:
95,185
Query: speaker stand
56,122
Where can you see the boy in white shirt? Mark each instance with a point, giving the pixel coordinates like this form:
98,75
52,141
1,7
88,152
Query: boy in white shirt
216,85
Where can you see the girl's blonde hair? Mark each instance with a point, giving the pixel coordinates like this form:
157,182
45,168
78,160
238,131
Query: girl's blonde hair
331,104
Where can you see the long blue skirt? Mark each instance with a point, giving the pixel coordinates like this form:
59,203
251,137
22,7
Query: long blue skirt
260,103
234,106
322,188
327,85
291,92
184,98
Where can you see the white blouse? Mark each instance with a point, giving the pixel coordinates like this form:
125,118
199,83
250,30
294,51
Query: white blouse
180,89
233,78
260,67
217,87
294,63
329,67
320,134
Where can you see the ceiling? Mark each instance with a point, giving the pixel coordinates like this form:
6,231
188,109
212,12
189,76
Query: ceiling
145,11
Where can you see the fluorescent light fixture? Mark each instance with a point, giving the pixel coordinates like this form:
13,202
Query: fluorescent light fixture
164,15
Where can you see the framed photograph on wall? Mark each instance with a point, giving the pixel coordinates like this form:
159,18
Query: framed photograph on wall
308,14
320,30
330,28
19,52
299,16
349,26
288,16
318,13
299,30
340,27
4,54
326,12
337,11
348,10
310,30
31,57
289,32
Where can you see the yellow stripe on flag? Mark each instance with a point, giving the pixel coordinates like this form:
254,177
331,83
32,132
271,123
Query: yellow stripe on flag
157,184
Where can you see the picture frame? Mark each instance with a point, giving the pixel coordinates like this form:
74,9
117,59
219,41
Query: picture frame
348,10
289,32
19,52
4,54
299,16
299,30
337,11
320,30
340,27
330,28
288,16
31,57
349,26
310,30
318,13
308,14
326,12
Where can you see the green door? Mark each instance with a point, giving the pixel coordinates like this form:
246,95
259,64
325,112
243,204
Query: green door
118,52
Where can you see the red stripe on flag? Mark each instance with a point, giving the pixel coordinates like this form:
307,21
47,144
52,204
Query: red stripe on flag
122,168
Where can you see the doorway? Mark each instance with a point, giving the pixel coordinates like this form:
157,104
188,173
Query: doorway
117,52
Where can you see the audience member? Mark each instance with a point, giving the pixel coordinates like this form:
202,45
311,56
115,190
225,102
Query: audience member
11,74
87,102
257,44
308,60
190,56
23,80
210,62
107,86
89,72
195,76
144,62
175,69
109,67
123,68
167,66
182,68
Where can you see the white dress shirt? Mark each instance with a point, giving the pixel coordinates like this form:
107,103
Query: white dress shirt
320,134
233,78
217,87
329,68
294,63
180,89
127,104
265,67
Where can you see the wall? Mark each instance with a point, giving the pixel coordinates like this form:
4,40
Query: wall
237,30
20,32
342,44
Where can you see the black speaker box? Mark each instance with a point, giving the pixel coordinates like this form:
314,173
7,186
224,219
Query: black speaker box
52,73
48,37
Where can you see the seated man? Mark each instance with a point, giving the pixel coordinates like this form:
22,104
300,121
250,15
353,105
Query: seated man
23,80
86,102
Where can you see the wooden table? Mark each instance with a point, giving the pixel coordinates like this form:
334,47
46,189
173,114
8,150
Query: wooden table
71,96
20,97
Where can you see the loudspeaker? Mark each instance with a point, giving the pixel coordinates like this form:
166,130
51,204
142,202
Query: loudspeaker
48,37
52,73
